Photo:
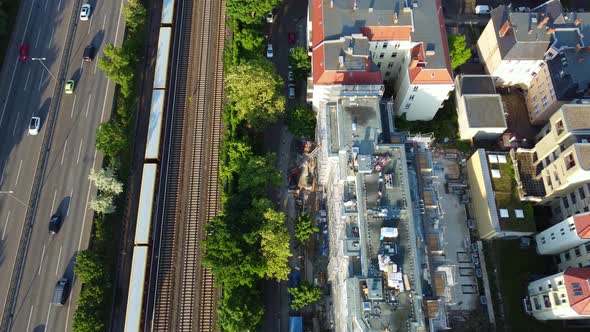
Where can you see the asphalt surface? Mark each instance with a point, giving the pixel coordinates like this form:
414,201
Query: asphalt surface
27,89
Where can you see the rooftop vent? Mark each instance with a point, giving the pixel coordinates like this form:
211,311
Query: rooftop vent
370,9
578,21
415,4
533,19
395,18
341,61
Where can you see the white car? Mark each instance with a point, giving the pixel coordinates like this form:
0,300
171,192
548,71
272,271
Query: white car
269,51
85,12
270,18
34,125
291,91
482,9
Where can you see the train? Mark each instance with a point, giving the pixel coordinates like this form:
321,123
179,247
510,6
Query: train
148,197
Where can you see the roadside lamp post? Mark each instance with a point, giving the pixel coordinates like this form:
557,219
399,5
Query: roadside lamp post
10,193
43,64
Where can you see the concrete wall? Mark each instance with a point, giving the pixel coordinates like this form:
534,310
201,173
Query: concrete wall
487,48
479,196
558,238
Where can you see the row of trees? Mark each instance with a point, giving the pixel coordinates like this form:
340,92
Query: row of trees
94,267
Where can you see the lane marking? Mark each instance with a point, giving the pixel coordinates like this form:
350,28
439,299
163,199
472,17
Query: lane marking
8,94
15,123
58,5
58,259
47,319
63,155
41,80
79,151
46,3
95,65
73,106
30,315
5,225
53,203
41,264
68,313
86,205
104,22
3,170
18,172
118,23
37,41
104,103
50,39
90,24
88,107
27,81
70,202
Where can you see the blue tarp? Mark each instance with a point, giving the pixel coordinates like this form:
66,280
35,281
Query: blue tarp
295,324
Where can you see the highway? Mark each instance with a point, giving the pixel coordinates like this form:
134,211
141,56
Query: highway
27,89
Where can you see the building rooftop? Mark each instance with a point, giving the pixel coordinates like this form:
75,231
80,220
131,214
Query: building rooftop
577,116
359,123
485,111
582,222
578,289
476,85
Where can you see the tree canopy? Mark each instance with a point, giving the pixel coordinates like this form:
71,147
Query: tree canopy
250,11
88,266
301,122
254,88
304,227
135,15
458,50
241,310
305,295
117,63
301,63
258,174
250,39
275,245
111,138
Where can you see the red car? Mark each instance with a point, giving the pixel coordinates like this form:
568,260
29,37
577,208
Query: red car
23,52
291,38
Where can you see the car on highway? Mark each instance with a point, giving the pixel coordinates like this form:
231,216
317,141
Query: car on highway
23,52
291,38
269,52
89,53
70,85
34,125
85,12
291,91
60,292
55,224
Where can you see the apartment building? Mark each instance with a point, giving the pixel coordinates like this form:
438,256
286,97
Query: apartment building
556,172
564,295
480,111
542,51
357,45
494,201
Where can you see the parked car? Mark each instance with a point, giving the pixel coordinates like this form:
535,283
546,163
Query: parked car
85,12
23,52
269,52
291,38
291,91
34,125
482,9
270,17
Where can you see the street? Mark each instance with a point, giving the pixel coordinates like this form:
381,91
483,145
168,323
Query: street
27,89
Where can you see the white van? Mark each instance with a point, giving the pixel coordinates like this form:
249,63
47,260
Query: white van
482,9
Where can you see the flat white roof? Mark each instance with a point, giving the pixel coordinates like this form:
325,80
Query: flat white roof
162,56
152,146
167,11
136,286
146,201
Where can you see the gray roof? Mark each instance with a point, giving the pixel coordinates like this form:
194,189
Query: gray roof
476,85
353,51
485,111
343,20
577,116
359,123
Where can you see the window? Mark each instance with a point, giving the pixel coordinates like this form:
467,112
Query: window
566,204
577,289
415,88
582,193
559,283
587,247
557,259
381,55
379,64
544,99
586,209
384,45
534,98
569,161
397,45
580,265
390,65
567,256
408,105
540,288
578,252
394,54
573,196
411,97
532,86
559,127
387,73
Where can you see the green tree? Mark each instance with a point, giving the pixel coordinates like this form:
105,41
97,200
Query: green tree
274,245
458,50
111,138
86,319
301,122
258,175
241,310
105,181
301,63
250,39
304,295
304,227
118,65
254,88
238,153
103,204
135,15
89,266
250,11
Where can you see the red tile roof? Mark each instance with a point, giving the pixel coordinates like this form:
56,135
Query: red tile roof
582,223
322,76
401,33
317,22
578,294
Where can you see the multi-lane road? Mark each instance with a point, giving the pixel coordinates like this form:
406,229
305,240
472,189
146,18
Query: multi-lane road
52,30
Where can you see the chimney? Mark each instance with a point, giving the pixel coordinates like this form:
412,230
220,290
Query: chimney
578,48
543,22
531,31
578,21
550,31
581,58
370,9
349,50
504,29
341,61
395,18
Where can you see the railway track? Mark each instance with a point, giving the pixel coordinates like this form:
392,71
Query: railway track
185,295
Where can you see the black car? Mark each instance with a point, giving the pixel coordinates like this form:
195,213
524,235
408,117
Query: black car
55,223
89,53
